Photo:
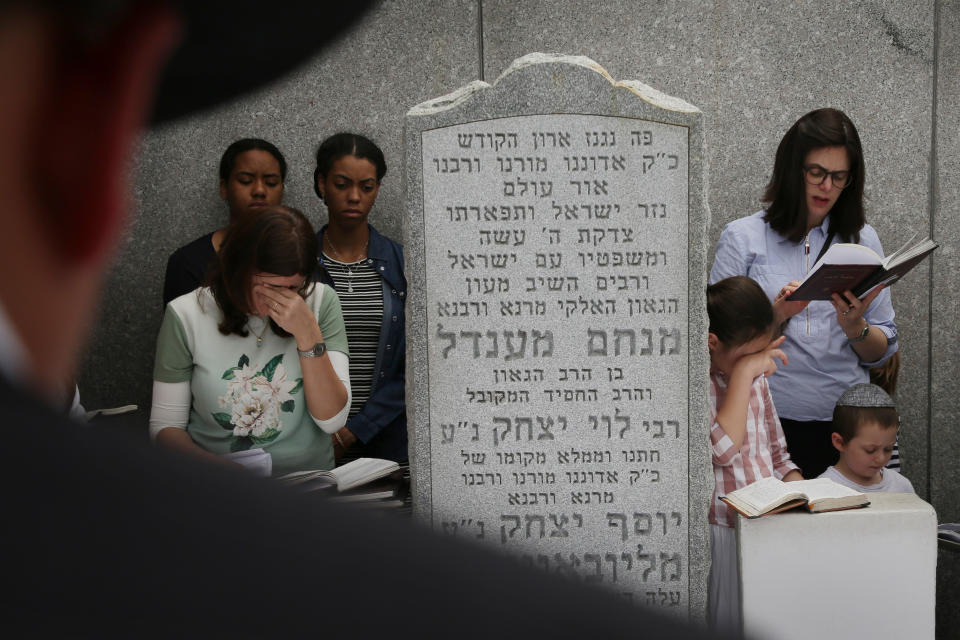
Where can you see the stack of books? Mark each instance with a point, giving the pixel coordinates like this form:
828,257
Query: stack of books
367,482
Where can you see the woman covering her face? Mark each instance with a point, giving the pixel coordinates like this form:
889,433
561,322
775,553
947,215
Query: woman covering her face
259,357
814,199
366,269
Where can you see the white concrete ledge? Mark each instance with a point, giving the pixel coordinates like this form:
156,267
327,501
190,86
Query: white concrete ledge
863,573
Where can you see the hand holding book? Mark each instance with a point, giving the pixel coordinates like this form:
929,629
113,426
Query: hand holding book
854,267
783,307
850,309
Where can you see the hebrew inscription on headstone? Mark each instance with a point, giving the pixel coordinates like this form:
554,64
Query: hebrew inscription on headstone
557,374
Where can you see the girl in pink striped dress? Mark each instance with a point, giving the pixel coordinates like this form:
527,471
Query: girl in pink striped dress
745,436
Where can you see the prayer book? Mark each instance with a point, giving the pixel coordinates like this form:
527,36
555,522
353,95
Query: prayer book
859,269
353,474
769,495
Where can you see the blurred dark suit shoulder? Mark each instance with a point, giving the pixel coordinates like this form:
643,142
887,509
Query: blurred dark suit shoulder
105,535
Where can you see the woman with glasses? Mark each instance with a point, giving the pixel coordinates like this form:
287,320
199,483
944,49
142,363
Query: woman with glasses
814,199
258,358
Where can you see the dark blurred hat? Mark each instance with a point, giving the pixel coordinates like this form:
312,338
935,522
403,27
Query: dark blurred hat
229,48
865,395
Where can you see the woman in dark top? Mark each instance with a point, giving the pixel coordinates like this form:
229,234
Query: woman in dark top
366,270
252,172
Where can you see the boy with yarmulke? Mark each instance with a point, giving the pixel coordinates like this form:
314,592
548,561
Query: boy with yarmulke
866,423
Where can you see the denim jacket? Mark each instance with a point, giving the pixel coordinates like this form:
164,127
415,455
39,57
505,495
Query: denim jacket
381,425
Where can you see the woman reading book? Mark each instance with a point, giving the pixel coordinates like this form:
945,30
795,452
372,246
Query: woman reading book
814,199
258,358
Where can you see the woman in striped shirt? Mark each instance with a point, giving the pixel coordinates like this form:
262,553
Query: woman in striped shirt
366,270
746,438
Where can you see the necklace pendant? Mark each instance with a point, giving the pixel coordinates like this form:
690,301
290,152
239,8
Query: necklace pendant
259,341
350,287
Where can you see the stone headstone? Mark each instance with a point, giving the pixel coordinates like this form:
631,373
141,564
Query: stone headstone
556,246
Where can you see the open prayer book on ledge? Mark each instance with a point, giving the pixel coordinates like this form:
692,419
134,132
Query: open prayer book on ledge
859,269
769,495
353,474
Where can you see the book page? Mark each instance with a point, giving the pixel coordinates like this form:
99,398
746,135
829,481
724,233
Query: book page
362,470
315,477
767,493
905,254
848,253
906,245
821,488
257,461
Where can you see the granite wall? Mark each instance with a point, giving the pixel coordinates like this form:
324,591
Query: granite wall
752,67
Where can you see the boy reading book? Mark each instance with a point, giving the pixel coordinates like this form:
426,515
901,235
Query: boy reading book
747,441
866,423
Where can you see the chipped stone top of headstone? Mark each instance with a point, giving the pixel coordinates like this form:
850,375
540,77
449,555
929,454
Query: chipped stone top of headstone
643,91
657,98
451,99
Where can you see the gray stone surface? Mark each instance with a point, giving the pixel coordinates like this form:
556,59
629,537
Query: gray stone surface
556,261
753,68
400,54
945,312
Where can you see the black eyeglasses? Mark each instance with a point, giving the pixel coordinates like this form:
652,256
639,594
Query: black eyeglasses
815,175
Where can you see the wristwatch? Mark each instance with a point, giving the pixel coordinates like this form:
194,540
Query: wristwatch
318,350
862,335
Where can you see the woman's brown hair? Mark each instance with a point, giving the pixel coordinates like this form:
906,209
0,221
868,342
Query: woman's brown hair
785,194
277,240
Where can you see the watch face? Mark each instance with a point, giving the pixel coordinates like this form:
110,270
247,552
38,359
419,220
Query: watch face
318,350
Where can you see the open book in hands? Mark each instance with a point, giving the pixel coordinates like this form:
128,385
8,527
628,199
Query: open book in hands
769,495
859,269
353,474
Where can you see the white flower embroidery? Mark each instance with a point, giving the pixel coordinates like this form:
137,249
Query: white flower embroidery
240,383
255,402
